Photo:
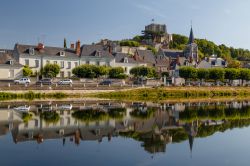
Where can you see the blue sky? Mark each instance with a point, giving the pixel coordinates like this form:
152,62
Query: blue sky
27,21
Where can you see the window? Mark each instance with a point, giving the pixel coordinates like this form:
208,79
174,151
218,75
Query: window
62,53
31,51
97,63
69,65
10,62
62,74
37,63
62,64
125,60
61,121
69,74
76,64
11,73
27,62
87,62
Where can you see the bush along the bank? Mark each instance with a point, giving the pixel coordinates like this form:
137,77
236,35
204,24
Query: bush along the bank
31,95
216,74
158,94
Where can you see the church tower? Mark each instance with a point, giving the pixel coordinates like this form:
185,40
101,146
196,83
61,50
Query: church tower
191,50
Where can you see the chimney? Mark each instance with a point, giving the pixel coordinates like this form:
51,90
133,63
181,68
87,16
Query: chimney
110,49
78,48
40,46
72,46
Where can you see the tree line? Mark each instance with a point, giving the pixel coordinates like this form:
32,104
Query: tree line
216,74
94,71
207,48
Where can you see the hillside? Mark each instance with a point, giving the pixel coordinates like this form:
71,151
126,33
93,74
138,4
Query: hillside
208,48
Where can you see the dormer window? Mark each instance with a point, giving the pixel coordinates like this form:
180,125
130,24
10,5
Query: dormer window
125,60
10,62
98,53
31,51
62,53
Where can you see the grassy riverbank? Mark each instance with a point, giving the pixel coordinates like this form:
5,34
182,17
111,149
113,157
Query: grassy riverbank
32,95
158,94
139,94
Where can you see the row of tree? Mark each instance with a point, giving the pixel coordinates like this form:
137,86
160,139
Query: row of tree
93,71
216,74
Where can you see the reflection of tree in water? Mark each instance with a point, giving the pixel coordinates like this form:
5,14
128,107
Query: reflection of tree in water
26,117
143,113
117,113
90,115
50,116
214,113
152,142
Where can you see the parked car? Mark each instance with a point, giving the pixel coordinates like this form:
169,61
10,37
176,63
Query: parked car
45,81
24,108
106,82
22,81
65,82
65,107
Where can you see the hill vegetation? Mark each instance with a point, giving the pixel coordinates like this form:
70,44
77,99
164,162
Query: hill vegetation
207,48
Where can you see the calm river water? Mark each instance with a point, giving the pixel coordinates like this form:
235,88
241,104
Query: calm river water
121,133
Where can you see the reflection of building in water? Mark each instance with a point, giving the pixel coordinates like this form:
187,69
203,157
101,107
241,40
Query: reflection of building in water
9,119
192,130
154,130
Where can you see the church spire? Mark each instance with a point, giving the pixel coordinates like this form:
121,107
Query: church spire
191,36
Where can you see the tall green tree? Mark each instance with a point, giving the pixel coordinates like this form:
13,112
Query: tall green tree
217,74
51,70
143,71
188,73
203,74
244,74
231,74
117,72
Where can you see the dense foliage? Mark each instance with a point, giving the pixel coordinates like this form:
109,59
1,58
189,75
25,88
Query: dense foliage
129,43
27,71
117,72
51,70
90,71
143,71
214,74
208,48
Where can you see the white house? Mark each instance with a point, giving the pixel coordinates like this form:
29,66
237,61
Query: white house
10,69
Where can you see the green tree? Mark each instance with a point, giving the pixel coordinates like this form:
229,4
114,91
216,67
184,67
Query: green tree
27,72
129,43
143,71
51,70
231,74
202,74
244,74
153,49
217,74
188,73
166,74
234,64
117,72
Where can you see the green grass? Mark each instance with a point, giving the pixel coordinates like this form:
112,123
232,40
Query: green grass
31,95
158,94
